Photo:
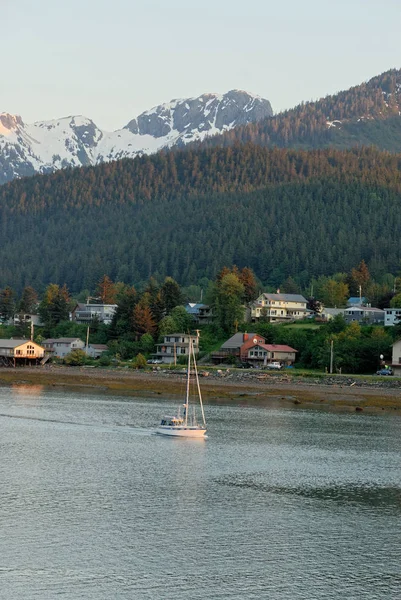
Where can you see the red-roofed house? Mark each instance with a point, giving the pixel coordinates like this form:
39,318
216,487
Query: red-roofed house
262,354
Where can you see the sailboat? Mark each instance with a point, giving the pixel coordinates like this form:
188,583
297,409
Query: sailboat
186,425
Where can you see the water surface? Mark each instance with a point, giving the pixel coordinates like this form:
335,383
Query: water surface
277,503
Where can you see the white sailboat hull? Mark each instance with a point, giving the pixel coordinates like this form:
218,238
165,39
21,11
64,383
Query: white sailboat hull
188,431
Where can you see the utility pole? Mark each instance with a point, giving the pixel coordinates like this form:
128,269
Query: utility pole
175,356
31,331
360,294
87,340
331,356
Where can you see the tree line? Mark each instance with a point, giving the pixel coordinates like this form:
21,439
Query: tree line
187,214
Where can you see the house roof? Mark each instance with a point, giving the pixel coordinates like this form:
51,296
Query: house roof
276,347
236,340
193,308
15,343
333,311
285,297
66,340
192,335
99,346
356,300
84,306
364,309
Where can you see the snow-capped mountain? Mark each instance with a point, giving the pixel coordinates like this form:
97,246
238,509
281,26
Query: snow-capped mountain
46,146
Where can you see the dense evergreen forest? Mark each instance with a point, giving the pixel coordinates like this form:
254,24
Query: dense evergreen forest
186,214
364,115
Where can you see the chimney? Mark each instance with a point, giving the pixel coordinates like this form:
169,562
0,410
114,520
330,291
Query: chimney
278,290
246,337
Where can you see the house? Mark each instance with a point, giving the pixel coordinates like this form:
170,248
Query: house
392,316
262,354
328,314
201,313
20,351
21,318
174,346
279,307
95,350
60,347
86,313
236,346
364,315
396,358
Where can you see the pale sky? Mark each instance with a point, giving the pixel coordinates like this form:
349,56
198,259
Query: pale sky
111,60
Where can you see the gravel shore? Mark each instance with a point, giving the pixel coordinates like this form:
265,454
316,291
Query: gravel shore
333,392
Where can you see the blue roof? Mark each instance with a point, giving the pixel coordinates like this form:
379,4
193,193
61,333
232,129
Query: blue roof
356,300
193,309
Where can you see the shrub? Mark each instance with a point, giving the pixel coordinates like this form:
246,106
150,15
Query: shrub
139,362
104,360
75,358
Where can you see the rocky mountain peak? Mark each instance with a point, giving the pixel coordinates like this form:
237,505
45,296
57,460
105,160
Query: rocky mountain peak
72,141
9,122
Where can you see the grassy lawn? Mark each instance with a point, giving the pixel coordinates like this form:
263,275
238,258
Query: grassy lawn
302,325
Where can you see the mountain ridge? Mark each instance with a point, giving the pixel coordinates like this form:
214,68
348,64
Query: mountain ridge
46,146
365,114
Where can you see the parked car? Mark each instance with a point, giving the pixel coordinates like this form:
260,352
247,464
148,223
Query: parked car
274,365
386,371
245,365
154,361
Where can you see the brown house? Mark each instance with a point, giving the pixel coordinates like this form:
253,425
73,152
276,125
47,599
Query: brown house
263,354
19,352
237,346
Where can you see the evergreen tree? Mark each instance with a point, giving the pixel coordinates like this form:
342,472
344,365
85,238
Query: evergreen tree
228,303
143,321
55,305
248,280
171,294
106,290
7,303
29,301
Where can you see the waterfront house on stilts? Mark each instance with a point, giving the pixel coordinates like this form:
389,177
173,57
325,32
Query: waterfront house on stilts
15,353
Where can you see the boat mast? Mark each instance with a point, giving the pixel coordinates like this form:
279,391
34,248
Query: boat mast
198,386
188,377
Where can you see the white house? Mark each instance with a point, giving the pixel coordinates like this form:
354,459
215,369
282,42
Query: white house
62,346
279,307
174,346
95,350
86,313
392,316
328,314
396,358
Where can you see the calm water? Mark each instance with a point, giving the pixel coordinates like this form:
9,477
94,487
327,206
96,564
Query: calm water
278,504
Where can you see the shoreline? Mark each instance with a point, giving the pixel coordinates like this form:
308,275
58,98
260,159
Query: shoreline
332,393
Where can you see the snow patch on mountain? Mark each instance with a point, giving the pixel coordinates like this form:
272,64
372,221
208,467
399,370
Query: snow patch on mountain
47,146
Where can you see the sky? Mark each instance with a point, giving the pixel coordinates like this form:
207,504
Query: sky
112,59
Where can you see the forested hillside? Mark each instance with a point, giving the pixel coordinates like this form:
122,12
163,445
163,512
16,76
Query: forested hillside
187,214
364,115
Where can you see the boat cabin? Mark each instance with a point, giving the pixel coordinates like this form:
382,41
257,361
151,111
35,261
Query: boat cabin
172,421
